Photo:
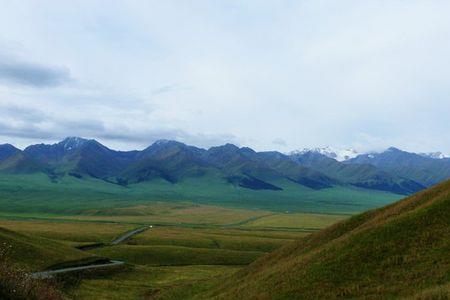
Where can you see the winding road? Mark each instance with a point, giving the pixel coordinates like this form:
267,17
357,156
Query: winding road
118,240
50,273
129,234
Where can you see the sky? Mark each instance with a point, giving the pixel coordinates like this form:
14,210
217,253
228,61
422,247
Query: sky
271,75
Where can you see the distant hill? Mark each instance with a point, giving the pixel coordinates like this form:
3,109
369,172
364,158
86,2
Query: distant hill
425,170
393,171
398,251
6,151
358,174
80,157
167,160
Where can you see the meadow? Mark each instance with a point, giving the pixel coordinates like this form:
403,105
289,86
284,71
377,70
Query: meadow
195,237
36,193
189,243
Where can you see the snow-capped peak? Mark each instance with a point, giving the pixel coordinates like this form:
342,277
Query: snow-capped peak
435,155
337,154
72,142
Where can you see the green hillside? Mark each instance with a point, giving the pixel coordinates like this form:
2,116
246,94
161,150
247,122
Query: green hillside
38,193
393,252
35,253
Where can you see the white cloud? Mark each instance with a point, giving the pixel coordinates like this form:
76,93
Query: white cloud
366,74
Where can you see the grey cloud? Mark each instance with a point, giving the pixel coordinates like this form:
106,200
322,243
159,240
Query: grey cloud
36,124
29,125
22,113
146,137
13,71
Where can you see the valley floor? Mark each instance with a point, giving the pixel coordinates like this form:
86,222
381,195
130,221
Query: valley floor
188,243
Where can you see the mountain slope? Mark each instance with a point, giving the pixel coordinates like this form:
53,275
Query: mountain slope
243,167
80,157
394,251
6,151
424,170
360,175
22,164
312,178
175,162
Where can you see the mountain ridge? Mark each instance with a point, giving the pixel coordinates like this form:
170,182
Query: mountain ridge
174,161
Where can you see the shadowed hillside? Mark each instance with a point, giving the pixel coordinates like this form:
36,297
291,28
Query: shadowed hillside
396,251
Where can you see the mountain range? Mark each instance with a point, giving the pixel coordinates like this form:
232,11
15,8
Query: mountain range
392,171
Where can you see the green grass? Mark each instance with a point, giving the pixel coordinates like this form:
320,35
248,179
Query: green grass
397,251
142,282
35,253
178,250
296,220
229,239
74,232
36,193
208,234
176,255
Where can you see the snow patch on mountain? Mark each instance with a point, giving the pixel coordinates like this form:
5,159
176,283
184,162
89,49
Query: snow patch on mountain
72,143
435,155
337,154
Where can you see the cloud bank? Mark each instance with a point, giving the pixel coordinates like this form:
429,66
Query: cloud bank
13,71
267,74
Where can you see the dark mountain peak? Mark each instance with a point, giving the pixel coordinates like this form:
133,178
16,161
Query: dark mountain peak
231,149
165,145
7,150
163,149
227,146
8,147
393,149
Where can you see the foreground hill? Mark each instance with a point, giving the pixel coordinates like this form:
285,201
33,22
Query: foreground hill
396,251
35,253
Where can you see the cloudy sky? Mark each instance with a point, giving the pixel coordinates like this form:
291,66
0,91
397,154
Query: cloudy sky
266,74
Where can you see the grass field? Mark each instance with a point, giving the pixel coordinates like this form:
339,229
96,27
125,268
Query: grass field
35,253
144,282
196,243
296,220
38,194
75,233
195,238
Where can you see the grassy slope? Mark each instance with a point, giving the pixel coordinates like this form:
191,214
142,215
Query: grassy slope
73,232
36,193
394,251
34,253
143,281
177,255
231,239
